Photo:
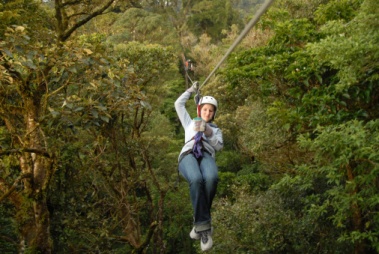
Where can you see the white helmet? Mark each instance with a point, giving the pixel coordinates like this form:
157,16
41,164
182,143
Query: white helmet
209,100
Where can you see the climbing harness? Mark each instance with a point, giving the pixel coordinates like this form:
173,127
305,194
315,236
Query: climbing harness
198,145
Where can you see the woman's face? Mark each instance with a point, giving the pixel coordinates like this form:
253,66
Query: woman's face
207,111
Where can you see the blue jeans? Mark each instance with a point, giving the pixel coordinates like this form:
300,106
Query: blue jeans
202,176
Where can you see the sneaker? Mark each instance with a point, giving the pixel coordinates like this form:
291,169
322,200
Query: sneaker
195,235
206,241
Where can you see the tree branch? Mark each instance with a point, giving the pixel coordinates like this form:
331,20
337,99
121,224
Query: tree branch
74,2
27,150
149,235
67,34
14,185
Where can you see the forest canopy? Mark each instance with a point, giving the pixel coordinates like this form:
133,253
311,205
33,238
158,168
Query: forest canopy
89,138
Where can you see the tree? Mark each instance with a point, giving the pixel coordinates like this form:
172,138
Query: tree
210,17
140,25
348,164
313,80
352,95
34,77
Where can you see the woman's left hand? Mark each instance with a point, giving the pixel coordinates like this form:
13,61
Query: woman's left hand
208,130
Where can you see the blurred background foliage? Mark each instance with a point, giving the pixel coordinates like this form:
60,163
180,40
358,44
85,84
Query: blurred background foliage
298,108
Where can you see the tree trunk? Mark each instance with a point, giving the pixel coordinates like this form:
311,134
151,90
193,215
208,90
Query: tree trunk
36,230
357,216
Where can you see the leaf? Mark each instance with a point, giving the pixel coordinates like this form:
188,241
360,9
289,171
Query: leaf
88,51
343,103
93,84
287,126
346,95
29,64
145,104
68,105
73,70
102,108
20,28
105,119
94,113
53,112
78,109
8,52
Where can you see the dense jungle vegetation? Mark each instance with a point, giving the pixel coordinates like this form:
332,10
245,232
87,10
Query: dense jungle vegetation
89,137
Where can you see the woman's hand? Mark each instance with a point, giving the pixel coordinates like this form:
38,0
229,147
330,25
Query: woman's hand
194,88
208,130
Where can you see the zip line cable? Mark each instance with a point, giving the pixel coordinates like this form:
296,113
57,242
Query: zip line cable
247,28
188,76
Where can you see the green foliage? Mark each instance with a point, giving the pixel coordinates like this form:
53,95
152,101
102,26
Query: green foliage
292,34
140,25
151,62
211,17
337,10
263,71
254,177
305,78
8,232
28,14
298,110
178,220
300,195
89,98
261,127
298,9
352,54
265,224
230,161
17,12
125,180
247,7
226,180
347,155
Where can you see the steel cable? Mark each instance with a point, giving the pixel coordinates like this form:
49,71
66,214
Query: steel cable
247,28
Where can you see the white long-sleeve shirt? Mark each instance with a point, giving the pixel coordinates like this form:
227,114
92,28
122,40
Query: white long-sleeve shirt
211,144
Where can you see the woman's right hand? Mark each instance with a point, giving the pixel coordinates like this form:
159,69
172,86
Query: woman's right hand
194,88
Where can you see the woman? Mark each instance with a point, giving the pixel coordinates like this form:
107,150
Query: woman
197,162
